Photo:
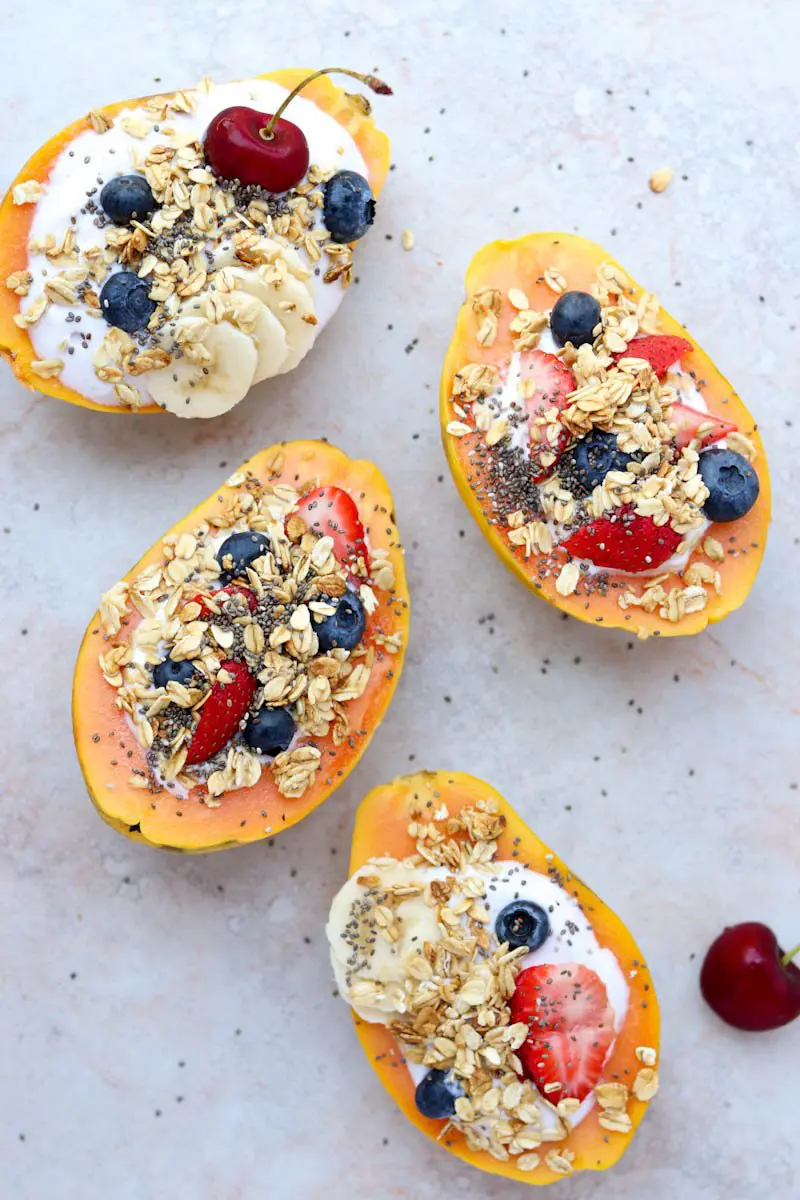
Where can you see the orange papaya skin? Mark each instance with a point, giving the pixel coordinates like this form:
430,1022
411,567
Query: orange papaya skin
382,829
103,737
521,263
15,220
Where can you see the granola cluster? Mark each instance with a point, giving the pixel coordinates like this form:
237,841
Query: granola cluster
615,392
295,585
453,1005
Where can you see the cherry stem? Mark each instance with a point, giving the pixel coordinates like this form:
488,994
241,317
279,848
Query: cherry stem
787,958
371,81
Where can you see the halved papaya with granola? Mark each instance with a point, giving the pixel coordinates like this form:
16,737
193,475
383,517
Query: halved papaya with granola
503,1006
605,458
168,253
231,681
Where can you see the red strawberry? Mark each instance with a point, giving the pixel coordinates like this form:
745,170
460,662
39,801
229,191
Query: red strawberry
222,712
661,350
566,1007
688,420
554,382
573,1060
232,589
625,542
331,512
560,996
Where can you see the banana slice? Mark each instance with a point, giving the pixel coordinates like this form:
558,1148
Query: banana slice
371,972
215,372
246,309
283,283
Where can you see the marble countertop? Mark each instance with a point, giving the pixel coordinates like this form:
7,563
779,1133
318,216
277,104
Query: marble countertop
169,1027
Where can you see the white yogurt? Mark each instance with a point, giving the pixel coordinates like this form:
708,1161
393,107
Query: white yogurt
572,940
92,159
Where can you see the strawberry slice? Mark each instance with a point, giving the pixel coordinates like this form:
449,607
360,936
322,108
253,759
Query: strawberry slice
661,350
222,712
688,420
566,1065
232,589
331,512
561,996
554,382
624,542
566,1008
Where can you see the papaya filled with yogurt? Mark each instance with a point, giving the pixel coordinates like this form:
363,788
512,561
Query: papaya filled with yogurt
262,272
581,1017
601,471
231,681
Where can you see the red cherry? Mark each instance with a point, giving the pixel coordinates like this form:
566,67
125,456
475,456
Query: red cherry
748,980
236,147
264,148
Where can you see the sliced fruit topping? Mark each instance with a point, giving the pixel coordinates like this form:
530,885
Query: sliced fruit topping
689,421
210,380
269,731
436,1094
574,318
748,980
661,350
522,923
732,484
127,197
562,996
587,463
624,542
222,712
344,628
554,382
566,1007
239,550
125,301
218,599
566,1065
168,671
331,512
349,207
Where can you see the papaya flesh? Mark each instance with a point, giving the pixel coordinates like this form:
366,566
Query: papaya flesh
114,763
381,830
522,264
16,220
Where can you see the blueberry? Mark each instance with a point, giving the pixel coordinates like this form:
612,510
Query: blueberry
732,484
437,1093
344,628
126,197
238,551
125,301
349,207
574,316
522,923
269,731
588,462
168,671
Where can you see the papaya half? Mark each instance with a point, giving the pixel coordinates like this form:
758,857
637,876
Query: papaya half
511,290
225,688
67,262
469,818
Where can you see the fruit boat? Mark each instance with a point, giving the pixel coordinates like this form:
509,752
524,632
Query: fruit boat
527,1064
235,676
171,286
607,461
